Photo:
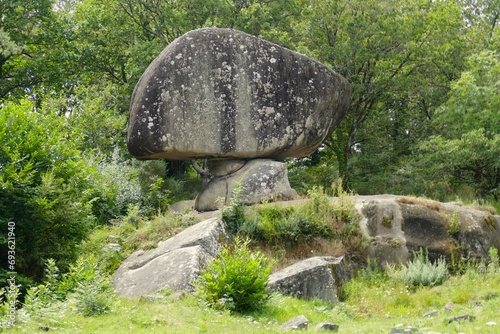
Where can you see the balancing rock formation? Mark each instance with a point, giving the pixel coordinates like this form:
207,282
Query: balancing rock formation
230,97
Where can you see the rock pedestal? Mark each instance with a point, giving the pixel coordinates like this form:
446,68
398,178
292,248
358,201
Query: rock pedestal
259,179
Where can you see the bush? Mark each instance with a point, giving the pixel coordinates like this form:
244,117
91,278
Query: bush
319,218
421,272
85,288
286,226
44,184
236,280
233,215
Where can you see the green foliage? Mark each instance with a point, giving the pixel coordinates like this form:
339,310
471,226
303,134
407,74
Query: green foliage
370,302
494,264
289,227
464,154
94,113
371,276
421,272
111,244
9,302
454,228
23,61
473,101
92,288
233,215
399,57
470,161
313,171
44,184
84,289
285,226
236,280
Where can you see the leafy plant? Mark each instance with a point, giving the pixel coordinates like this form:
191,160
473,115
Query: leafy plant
85,287
236,280
233,215
421,272
44,185
494,265
454,228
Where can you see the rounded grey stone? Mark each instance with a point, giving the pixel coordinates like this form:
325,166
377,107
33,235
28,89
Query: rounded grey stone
221,93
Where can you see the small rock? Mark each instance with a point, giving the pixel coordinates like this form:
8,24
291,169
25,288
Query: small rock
152,299
403,330
327,326
430,313
299,322
113,247
44,328
179,295
448,307
471,318
491,323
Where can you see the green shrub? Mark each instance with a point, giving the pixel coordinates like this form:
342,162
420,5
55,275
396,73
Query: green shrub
236,280
44,184
93,297
291,226
286,226
85,288
421,272
494,264
233,215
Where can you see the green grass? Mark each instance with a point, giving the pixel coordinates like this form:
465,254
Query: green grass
374,302
371,306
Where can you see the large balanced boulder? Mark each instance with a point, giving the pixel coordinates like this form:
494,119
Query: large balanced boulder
225,95
174,264
221,93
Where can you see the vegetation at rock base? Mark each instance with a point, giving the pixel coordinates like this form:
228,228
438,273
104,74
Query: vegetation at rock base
421,272
372,303
236,280
322,225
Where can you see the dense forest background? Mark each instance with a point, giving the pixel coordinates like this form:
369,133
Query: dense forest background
425,117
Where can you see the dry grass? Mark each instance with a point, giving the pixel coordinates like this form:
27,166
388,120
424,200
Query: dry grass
428,203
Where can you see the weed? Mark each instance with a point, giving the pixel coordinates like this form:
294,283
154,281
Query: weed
233,215
421,272
454,228
387,222
494,265
236,280
490,221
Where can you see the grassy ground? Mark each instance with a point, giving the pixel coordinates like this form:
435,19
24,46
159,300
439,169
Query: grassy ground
373,304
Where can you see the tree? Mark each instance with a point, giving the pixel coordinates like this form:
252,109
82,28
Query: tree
399,57
483,20
43,187
22,43
474,99
465,151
